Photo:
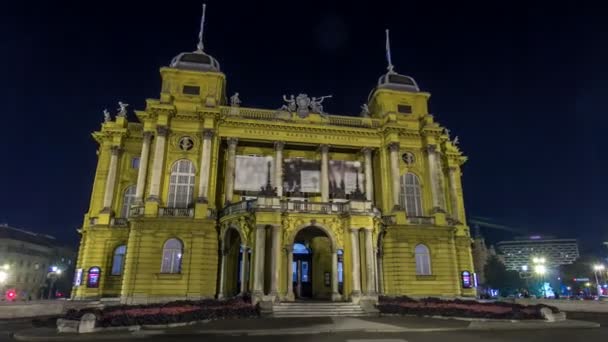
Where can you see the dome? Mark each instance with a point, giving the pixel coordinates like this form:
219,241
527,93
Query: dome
393,80
196,60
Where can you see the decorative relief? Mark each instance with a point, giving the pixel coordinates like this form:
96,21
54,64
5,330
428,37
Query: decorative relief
185,143
408,158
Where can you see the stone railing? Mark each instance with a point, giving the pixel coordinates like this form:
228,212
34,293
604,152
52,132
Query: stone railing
120,221
420,220
287,205
176,212
136,211
271,115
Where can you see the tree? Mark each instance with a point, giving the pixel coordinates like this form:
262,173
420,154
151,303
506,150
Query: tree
498,277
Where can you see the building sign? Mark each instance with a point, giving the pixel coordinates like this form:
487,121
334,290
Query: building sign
93,277
467,281
78,277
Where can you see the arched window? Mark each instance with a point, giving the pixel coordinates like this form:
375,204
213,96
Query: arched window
118,260
411,196
423,260
127,200
181,184
172,257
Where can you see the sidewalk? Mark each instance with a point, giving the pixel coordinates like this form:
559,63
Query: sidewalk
301,326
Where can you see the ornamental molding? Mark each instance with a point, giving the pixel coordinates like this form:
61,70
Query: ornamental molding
312,129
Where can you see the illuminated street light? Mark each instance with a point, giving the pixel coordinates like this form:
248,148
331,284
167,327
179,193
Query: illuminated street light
524,268
598,268
540,269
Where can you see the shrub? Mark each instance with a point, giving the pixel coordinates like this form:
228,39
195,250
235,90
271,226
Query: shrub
459,308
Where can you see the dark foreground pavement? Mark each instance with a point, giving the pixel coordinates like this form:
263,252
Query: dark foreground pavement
455,332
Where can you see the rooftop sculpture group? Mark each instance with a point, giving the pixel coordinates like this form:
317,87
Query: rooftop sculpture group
303,105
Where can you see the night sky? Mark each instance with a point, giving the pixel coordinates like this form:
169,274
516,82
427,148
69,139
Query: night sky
523,87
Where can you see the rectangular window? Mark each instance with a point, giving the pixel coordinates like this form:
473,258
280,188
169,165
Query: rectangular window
135,163
404,109
191,90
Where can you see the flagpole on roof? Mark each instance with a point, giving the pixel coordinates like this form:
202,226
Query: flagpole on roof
390,66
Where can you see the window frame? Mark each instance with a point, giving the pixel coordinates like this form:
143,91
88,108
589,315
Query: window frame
175,256
423,260
410,187
128,199
177,187
123,255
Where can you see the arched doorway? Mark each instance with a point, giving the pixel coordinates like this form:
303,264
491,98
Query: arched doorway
235,263
313,270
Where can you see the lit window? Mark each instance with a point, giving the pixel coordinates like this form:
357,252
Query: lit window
423,260
411,196
181,184
172,257
128,200
135,163
118,260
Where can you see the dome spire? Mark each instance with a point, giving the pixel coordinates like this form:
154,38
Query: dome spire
199,46
390,66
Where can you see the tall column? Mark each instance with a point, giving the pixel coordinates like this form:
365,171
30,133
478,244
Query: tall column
260,246
436,179
369,262
453,174
244,270
324,173
230,165
289,251
354,242
278,167
335,295
380,271
203,183
224,254
143,168
275,256
157,167
369,181
394,157
108,195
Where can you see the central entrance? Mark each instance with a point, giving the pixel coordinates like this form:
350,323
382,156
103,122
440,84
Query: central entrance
312,265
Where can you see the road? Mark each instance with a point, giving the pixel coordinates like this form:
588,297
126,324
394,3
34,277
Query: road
552,335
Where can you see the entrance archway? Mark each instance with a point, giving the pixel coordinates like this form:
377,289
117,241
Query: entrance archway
314,266
235,264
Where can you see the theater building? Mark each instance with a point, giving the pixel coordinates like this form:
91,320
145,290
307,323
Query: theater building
200,196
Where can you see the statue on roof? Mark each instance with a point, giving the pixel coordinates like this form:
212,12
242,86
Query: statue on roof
446,132
365,110
303,102
455,142
106,116
122,110
235,101
291,104
316,106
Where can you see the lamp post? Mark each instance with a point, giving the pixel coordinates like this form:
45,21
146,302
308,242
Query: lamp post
598,268
53,275
540,269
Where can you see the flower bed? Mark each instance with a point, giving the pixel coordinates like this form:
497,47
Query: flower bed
460,308
172,312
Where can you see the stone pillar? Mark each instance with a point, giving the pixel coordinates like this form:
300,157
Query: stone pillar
369,181
396,184
275,256
454,193
108,195
157,167
278,167
335,295
369,263
245,270
230,165
203,183
143,168
436,179
258,276
324,173
289,252
354,241
224,255
380,272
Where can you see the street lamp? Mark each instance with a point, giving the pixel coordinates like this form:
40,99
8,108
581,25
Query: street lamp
598,268
54,273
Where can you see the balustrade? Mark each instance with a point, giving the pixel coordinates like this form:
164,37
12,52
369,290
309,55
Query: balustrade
176,212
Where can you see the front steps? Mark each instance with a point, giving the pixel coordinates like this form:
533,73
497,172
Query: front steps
317,309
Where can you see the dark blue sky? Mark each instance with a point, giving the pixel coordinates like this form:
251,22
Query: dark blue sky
524,87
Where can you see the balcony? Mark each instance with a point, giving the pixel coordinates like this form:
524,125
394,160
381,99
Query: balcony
136,211
421,220
175,212
299,206
120,221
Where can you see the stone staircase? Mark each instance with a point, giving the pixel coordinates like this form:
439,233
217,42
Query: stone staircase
318,309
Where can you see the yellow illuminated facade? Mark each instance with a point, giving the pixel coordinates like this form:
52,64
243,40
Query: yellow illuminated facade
203,197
